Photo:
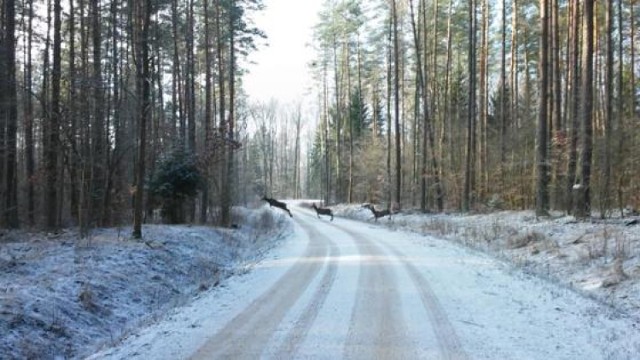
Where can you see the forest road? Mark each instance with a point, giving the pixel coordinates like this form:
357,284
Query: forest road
358,290
348,295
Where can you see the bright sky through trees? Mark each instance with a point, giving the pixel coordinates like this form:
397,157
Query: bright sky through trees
280,70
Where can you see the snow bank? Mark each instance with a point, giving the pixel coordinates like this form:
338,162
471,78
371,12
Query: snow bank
598,258
64,297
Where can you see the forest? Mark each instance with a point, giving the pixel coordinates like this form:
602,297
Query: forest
119,112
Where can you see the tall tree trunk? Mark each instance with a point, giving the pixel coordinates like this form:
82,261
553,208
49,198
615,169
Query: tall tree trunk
325,126
583,206
558,116
420,94
222,127
142,19
29,119
72,157
190,79
208,112
52,146
396,57
337,120
483,104
176,115
471,115
388,107
98,160
230,179
8,116
296,158
191,95
542,156
607,154
446,133
515,113
574,95
503,96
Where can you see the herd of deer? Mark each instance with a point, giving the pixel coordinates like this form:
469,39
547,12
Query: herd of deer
326,211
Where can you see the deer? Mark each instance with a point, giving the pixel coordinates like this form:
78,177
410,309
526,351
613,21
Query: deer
276,203
377,214
322,211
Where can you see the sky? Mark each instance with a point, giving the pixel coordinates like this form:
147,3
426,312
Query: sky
279,70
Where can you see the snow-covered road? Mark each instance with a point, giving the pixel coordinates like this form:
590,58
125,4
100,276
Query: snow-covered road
353,290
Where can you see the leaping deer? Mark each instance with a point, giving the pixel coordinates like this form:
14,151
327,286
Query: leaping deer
322,211
276,203
377,214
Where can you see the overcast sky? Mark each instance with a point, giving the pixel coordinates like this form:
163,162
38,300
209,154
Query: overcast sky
280,69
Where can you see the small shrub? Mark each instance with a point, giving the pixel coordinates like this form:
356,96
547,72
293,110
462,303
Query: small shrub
86,298
266,221
176,179
621,251
521,240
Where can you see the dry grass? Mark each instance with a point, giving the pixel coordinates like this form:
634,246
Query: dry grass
520,240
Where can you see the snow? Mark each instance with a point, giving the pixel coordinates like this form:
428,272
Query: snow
597,258
549,287
63,297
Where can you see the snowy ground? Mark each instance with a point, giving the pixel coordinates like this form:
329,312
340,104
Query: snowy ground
61,297
598,258
64,297
356,290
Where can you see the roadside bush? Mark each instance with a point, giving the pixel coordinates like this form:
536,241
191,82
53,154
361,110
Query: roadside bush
176,180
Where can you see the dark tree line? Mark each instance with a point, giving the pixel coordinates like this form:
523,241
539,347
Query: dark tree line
95,93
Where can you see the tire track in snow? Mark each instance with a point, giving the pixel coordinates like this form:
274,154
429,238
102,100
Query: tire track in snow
448,341
246,336
299,332
376,330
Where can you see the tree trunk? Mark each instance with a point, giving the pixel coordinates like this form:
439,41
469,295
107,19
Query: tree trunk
503,98
388,105
471,112
542,160
558,117
28,120
8,117
586,146
98,160
574,95
483,104
52,147
208,113
396,57
296,159
176,114
141,36
607,154
230,179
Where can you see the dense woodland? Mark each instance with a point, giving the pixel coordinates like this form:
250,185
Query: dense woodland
112,111
479,104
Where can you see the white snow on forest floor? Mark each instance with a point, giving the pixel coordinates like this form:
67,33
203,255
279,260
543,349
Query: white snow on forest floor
597,258
66,297
63,297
